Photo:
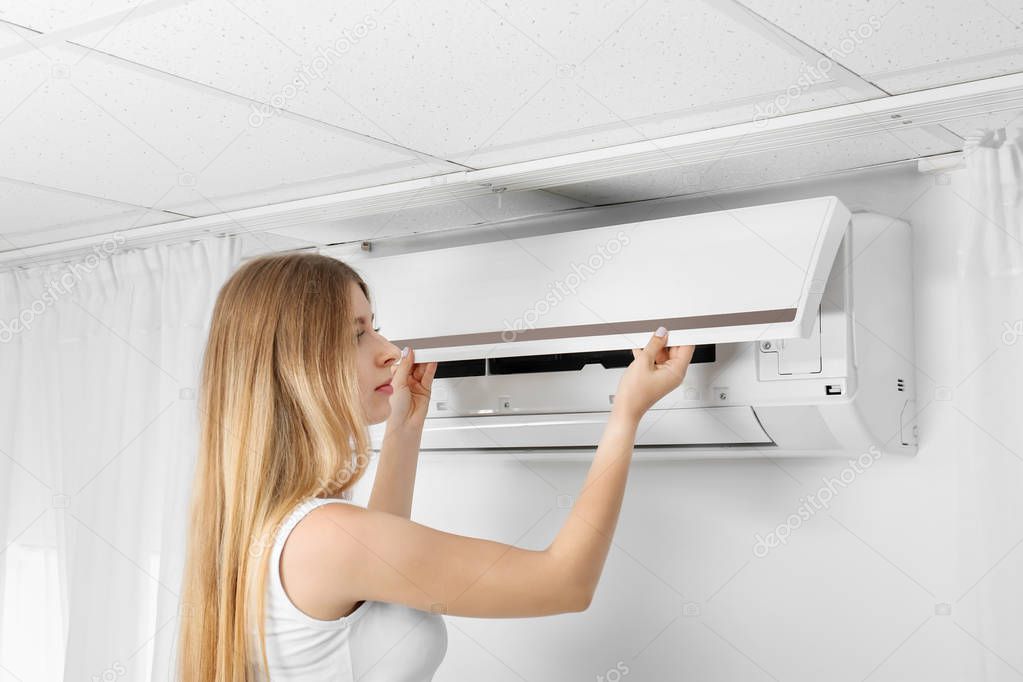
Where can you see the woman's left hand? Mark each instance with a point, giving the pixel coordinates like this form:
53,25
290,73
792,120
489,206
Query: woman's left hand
411,398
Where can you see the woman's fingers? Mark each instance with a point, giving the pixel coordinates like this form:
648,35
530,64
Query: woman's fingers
680,356
402,370
655,346
425,373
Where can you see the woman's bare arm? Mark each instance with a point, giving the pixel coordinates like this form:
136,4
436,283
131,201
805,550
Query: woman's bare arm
582,545
396,472
365,554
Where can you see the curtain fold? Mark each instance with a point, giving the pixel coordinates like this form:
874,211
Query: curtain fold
99,360
989,399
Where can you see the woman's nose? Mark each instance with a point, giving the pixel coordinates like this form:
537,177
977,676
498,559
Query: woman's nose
392,354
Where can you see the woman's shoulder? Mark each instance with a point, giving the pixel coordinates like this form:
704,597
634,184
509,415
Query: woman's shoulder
311,572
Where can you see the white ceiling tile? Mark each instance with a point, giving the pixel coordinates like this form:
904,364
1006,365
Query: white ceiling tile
440,78
55,15
28,207
568,31
120,222
120,132
676,56
254,50
654,67
402,65
476,81
8,36
284,159
905,45
757,169
38,215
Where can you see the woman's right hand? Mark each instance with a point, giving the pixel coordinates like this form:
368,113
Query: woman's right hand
655,371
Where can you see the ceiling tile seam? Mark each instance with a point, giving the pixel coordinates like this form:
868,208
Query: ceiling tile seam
526,35
753,21
302,183
84,195
797,46
941,132
287,113
951,63
852,81
816,88
804,49
19,33
106,222
61,35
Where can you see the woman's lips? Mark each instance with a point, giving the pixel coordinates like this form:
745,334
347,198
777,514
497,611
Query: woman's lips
386,388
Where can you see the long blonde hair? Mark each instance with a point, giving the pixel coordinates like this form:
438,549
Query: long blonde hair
280,420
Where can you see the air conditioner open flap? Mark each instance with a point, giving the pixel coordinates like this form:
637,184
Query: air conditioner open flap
726,276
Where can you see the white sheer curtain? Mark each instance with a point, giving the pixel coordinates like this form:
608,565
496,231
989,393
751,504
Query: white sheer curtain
99,360
990,401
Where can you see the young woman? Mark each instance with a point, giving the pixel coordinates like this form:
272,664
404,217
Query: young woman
286,576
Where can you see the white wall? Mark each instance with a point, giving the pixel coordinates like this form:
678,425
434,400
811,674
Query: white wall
853,595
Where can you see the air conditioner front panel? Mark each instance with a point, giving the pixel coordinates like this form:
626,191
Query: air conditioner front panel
735,275
679,427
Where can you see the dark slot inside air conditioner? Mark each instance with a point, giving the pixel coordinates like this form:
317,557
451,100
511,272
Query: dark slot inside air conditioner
553,362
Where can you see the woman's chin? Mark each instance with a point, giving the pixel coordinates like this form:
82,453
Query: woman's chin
381,415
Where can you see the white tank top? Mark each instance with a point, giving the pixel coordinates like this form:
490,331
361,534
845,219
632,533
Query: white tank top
377,642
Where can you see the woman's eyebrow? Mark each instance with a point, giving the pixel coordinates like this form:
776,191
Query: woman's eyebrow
362,318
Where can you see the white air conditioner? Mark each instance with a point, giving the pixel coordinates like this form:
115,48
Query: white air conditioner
801,312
